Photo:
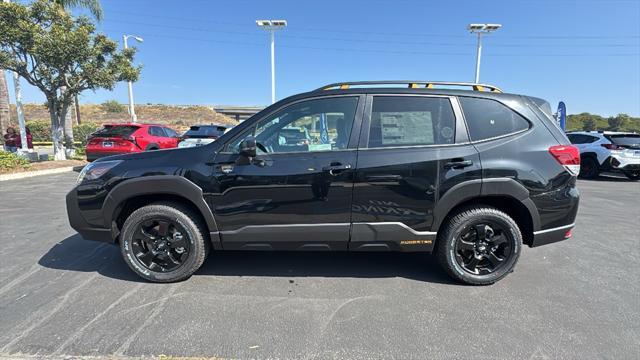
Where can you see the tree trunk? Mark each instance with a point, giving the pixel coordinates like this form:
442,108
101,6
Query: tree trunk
57,132
4,103
67,123
77,110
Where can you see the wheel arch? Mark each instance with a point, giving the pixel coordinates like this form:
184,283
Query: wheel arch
131,194
505,194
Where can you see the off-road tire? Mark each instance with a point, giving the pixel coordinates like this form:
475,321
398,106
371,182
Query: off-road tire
461,221
199,245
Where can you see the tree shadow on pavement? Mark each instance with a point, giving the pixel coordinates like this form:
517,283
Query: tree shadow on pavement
77,254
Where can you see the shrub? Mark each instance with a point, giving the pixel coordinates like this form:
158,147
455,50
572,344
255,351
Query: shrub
82,131
10,161
40,130
113,106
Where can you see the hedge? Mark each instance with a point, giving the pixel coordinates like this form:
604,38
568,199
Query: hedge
41,131
10,161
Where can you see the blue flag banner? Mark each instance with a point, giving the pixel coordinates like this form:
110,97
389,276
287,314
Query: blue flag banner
324,131
562,115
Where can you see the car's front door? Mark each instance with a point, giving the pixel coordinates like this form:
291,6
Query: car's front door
296,193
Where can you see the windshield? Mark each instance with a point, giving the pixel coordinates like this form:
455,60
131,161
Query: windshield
205,131
625,139
116,130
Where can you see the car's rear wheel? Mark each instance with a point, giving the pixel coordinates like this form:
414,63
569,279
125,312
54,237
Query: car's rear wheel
633,175
479,245
163,242
589,168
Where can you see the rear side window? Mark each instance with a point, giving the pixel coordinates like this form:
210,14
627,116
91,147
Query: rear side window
410,121
170,132
116,131
156,131
581,138
488,118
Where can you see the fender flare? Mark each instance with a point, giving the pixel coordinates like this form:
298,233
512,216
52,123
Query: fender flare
478,188
157,184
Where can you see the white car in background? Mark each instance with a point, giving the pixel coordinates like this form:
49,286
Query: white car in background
199,135
607,151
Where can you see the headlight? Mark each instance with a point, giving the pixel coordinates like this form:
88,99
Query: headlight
96,169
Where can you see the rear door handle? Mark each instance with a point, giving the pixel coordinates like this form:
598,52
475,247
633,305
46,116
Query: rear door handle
458,164
334,169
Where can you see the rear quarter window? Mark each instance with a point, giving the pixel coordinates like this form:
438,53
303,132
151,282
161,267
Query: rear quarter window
488,118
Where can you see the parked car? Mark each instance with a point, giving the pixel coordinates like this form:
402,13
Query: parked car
115,139
468,175
607,151
199,135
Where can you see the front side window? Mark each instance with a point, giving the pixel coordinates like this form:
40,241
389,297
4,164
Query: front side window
313,125
411,121
170,132
488,118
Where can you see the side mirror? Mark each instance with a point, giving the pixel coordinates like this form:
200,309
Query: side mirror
248,147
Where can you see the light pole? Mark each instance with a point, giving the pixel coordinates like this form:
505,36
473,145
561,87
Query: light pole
272,26
481,29
132,111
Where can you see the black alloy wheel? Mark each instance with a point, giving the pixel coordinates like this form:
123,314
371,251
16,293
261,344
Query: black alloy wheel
483,248
160,245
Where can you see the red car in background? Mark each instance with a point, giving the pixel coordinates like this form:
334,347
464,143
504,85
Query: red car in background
124,138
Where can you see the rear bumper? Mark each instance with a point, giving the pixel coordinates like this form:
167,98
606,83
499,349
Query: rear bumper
621,163
80,224
552,235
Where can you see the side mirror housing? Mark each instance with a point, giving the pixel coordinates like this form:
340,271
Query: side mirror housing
248,147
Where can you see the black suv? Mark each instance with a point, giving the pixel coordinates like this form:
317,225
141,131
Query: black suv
469,175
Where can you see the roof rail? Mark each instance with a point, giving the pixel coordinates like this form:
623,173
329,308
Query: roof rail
412,84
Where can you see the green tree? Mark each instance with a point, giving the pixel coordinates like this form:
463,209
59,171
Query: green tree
589,124
51,49
617,122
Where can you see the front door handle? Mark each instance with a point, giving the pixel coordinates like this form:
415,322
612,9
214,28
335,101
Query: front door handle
335,169
458,164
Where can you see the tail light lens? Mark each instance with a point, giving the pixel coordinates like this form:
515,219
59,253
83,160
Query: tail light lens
568,156
612,147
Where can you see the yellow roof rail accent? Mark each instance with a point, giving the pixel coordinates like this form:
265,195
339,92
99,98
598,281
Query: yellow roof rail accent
411,84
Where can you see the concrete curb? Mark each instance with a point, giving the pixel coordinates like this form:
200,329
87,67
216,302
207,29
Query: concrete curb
28,174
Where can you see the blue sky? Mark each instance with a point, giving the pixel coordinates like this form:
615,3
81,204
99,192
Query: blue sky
585,52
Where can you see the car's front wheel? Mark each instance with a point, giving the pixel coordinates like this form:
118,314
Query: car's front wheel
479,245
163,242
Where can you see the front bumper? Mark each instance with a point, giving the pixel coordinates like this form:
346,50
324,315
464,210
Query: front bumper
80,224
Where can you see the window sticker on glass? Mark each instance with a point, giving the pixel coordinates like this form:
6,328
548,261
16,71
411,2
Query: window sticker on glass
406,128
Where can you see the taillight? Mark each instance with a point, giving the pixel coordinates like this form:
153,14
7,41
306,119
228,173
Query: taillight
612,147
568,156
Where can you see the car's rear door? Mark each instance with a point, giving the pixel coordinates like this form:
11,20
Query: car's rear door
413,150
292,195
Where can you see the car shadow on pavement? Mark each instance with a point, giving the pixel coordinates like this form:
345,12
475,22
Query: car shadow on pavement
77,254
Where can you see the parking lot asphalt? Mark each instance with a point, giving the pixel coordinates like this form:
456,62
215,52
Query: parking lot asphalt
61,295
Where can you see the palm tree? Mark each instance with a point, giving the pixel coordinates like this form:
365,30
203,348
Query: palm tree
92,5
4,103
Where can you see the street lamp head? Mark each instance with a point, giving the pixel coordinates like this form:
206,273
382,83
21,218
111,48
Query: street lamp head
271,24
483,28
138,38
